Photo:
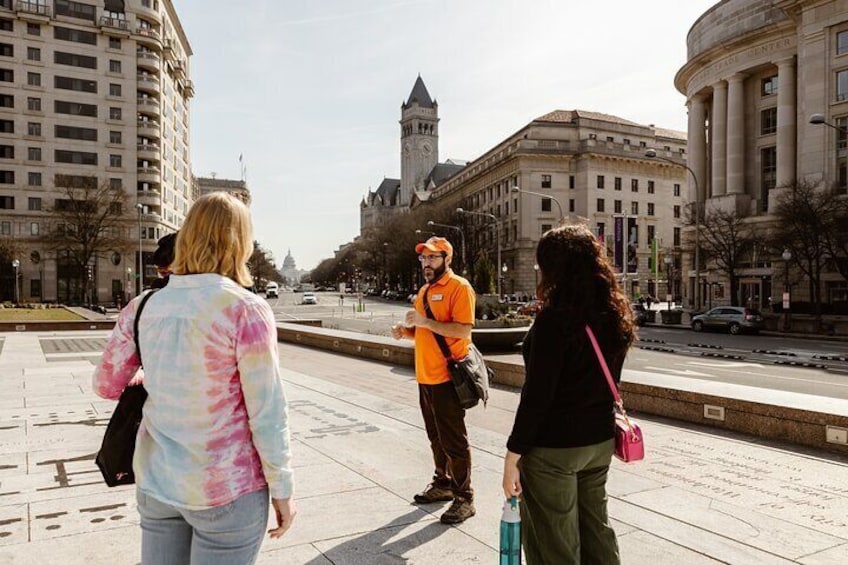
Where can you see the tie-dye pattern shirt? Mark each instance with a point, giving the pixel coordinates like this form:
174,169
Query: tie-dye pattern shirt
215,423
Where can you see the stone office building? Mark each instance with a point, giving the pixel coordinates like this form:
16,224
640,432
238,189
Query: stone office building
756,72
97,91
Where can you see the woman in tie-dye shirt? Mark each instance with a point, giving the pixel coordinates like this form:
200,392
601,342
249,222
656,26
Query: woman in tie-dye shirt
214,438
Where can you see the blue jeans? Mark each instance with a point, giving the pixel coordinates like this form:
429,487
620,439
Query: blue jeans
224,535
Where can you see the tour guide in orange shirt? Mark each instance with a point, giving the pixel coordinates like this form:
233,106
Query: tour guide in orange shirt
451,299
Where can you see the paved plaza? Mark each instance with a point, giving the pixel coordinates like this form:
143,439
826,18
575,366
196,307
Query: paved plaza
360,453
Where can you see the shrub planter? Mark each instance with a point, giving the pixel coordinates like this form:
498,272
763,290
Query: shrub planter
650,316
671,316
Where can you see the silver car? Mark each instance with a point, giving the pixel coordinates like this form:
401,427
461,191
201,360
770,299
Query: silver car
736,319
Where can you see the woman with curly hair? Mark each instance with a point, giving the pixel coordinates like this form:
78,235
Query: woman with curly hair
562,442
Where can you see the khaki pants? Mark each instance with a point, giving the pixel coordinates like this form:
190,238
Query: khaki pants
564,506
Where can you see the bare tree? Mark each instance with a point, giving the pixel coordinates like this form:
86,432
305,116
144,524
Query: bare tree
88,221
725,236
262,266
811,225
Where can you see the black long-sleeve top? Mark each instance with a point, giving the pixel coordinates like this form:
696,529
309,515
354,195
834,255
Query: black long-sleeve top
565,401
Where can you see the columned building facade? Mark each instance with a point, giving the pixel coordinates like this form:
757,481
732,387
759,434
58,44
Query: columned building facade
756,71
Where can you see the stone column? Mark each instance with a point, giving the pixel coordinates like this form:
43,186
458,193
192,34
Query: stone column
719,139
736,134
697,148
786,122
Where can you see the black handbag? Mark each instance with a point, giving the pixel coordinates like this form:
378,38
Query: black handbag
115,457
470,375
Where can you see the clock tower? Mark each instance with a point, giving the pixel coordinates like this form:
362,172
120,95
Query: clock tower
419,141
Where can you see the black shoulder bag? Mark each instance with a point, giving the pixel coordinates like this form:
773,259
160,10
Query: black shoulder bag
115,457
470,375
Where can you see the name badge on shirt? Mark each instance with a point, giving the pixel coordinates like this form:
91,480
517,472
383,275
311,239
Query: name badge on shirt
435,297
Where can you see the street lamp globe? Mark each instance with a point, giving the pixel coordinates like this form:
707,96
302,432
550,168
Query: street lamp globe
787,255
15,263
504,268
817,119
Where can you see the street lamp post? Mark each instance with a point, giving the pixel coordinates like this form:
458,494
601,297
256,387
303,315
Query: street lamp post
786,255
669,292
15,265
140,271
541,195
504,269
535,278
652,154
385,267
431,223
497,234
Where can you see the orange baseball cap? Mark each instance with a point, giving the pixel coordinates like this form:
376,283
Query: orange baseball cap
436,245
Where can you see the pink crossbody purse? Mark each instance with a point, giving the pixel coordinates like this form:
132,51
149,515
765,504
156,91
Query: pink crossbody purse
629,446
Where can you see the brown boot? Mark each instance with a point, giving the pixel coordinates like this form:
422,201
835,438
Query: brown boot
459,511
433,493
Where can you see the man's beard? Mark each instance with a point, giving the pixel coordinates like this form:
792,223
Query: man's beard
436,274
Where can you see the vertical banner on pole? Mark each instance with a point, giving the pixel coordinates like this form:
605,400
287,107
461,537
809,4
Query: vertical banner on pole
632,244
618,244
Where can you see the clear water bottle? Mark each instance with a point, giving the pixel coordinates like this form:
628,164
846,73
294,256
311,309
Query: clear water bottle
511,533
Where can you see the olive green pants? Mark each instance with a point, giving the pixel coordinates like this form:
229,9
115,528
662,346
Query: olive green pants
564,506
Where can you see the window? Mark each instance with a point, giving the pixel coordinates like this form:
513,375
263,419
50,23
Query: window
842,86
78,84
114,66
34,153
842,42
5,228
652,233
114,113
616,206
34,203
74,60
7,50
768,86
33,104
546,181
33,54
34,129
115,137
34,79
75,35
625,141
676,237
115,161
617,183
571,181
599,205
71,132
650,208
650,187
115,184
114,89
7,126
546,204
634,208
33,228
6,25
7,151
74,181
7,75
7,101
768,121
768,173
571,205
677,189
600,181
7,202
546,228
75,10
35,288
676,210
634,185
76,157
610,138
34,179
601,231
114,43
75,108
33,29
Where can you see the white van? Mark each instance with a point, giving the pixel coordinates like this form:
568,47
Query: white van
272,290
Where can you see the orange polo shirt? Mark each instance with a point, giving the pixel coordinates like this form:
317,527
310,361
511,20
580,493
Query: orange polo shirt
451,299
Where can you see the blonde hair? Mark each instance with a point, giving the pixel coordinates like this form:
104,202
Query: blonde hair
217,237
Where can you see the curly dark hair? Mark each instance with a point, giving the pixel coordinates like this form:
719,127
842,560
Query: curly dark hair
577,278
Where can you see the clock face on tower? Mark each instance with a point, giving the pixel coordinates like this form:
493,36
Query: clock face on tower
406,149
425,148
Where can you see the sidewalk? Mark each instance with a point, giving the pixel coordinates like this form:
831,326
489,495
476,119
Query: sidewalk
360,453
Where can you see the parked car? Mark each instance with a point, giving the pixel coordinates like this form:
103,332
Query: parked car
735,319
531,308
309,298
640,314
272,290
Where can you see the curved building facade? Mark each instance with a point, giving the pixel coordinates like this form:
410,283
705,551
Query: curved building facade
756,71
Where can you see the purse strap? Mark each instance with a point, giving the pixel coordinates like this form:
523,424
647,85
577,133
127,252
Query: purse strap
141,304
440,339
619,404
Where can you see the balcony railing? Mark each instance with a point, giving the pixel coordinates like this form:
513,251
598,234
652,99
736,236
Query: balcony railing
148,147
33,8
148,124
147,78
148,32
115,23
148,55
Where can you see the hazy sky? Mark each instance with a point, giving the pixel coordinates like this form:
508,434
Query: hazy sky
310,90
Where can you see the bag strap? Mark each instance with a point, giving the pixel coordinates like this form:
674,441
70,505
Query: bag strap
440,339
141,304
619,404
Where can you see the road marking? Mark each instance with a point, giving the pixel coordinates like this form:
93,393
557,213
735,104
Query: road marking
724,365
684,372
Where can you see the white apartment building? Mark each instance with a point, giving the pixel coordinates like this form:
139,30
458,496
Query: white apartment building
101,91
